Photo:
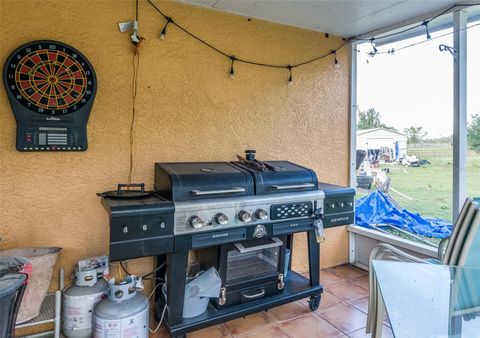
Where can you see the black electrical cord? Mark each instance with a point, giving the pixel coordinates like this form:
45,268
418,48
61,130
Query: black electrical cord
136,10
152,272
145,275
123,268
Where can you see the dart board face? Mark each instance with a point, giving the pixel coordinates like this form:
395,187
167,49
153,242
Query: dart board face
50,78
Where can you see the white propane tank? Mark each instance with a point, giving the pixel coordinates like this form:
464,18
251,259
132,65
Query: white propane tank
79,301
124,314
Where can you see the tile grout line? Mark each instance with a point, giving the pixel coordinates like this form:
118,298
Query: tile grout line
285,333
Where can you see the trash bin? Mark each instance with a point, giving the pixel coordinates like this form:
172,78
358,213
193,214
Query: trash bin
12,287
42,261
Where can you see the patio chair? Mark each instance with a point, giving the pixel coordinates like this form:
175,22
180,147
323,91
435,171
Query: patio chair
462,249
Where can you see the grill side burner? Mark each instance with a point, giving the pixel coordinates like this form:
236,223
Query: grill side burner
139,227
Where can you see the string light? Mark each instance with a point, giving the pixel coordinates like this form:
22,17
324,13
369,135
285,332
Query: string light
425,23
442,47
291,66
391,51
336,63
237,59
290,78
164,30
232,71
375,50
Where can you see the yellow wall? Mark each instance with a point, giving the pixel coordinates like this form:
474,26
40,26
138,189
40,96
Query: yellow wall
188,110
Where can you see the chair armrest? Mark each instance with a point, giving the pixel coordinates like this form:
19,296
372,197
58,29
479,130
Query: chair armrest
388,252
442,246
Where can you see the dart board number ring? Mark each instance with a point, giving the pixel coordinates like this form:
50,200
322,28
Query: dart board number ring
54,82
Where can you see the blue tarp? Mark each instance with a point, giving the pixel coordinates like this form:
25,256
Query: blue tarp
377,208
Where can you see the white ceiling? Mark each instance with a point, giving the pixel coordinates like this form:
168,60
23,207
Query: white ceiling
346,18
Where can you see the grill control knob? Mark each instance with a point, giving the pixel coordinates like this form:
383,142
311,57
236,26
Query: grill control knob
261,214
221,219
341,204
245,216
196,222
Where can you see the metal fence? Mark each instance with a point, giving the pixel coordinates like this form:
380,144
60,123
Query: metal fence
426,150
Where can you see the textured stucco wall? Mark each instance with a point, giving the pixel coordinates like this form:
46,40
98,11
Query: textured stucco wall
188,110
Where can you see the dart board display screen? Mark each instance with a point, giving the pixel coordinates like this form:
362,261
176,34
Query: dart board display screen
51,87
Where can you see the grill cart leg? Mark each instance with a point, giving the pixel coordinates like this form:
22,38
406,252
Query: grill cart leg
313,258
176,272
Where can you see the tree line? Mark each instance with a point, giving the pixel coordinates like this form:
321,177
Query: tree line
371,119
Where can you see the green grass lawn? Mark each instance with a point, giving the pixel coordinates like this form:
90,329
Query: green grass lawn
430,186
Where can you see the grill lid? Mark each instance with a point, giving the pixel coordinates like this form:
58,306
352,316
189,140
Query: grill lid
280,177
182,181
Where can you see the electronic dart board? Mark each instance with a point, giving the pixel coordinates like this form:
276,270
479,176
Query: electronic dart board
51,87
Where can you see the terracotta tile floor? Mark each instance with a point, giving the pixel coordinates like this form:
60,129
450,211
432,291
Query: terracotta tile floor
342,313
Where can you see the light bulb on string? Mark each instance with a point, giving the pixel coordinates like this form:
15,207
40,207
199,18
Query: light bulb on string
337,64
375,50
232,71
290,78
164,30
425,23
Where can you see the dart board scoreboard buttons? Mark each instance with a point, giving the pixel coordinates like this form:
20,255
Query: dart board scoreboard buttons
51,87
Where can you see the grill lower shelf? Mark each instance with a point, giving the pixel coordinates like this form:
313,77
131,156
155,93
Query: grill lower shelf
296,287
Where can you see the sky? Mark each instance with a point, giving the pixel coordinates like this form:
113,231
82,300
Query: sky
414,87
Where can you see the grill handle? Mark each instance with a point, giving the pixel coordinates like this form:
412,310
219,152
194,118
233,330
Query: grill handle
131,185
215,192
242,249
293,186
258,294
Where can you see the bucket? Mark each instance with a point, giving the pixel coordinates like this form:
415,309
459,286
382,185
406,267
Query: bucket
192,306
198,291
42,261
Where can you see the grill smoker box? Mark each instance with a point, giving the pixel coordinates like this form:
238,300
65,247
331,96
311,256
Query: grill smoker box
249,270
184,181
287,177
139,227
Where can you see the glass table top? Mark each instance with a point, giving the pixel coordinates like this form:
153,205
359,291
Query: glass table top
430,300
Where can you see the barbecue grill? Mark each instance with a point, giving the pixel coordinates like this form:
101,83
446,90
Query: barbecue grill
239,217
